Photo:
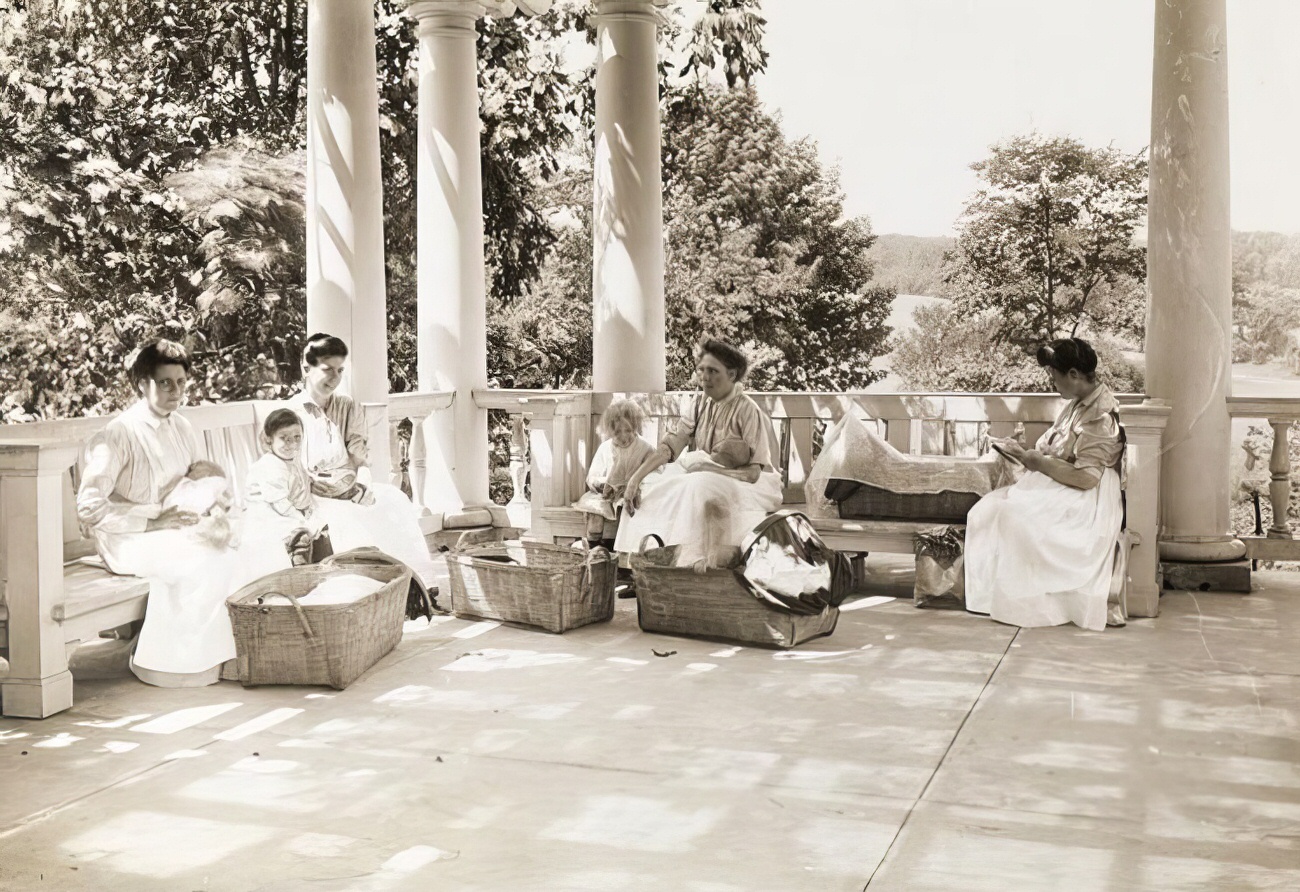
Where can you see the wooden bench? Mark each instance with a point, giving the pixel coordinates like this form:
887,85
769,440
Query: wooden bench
561,437
54,591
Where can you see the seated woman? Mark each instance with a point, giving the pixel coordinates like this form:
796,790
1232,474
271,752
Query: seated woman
1038,553
699,503
358,511
131,467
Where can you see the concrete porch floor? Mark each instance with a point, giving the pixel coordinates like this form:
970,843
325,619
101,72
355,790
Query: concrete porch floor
911,750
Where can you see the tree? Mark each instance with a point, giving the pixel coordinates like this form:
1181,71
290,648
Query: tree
1048,242
759,251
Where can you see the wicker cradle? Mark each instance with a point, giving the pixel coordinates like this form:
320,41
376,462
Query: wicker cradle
863,501
674,600
534,584
316,644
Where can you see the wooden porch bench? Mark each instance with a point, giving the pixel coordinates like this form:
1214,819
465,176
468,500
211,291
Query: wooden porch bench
56,591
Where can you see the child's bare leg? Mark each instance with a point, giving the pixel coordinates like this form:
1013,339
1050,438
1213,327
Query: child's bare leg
595,526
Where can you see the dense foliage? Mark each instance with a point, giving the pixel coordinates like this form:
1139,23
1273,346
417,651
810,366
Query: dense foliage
95,122
1266,298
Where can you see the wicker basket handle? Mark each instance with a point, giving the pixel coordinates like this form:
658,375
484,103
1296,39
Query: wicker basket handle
646,538
302,617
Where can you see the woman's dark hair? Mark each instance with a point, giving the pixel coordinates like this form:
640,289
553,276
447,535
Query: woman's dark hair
1069,354
322,346
726,354
152,355
279,420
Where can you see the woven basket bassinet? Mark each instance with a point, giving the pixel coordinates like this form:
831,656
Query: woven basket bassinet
315,644
866,502
533,583
674,600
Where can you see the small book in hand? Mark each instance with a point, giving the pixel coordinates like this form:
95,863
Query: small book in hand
1000,448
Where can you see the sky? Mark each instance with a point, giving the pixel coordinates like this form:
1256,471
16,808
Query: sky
905,94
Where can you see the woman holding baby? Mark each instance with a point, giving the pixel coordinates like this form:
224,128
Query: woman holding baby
722,480
133,503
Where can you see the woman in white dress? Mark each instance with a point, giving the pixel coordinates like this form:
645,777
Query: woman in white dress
698,504
358,511
131,466
1039,552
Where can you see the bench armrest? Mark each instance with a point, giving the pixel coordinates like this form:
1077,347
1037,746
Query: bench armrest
32,476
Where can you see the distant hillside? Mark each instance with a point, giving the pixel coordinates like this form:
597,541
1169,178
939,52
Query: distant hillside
1265,257
913,264
910,264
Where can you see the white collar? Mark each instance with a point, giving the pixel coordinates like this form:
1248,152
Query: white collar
147,415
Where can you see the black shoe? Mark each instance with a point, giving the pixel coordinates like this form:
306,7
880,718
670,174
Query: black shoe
624,585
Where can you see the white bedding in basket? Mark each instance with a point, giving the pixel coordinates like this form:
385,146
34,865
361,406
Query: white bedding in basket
342,589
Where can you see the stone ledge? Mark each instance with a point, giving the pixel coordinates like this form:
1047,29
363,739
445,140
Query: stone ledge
1225,576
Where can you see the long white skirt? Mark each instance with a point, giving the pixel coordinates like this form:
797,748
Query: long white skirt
186,635
391,524
1038,553
673,507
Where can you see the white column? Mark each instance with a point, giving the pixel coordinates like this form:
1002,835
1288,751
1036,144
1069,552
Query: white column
627,215
345,214
452,304
1189,276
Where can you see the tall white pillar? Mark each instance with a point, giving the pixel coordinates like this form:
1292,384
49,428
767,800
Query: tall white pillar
1189,276
627,215
346,293
452,304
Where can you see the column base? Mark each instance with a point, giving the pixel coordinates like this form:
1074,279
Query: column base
1198,550
1201,576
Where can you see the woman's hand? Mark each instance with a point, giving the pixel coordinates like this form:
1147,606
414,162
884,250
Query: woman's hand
748,474
632,495
172,518
1032,459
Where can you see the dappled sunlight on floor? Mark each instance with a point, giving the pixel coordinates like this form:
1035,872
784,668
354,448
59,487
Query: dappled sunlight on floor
917,750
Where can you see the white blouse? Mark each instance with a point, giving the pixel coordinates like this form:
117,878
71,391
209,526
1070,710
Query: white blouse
130,465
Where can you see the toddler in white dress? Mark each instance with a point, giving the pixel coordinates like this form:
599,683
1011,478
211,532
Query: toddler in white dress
280,501
621,453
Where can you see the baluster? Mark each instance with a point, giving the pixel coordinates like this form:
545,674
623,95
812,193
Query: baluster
404,433
1279,487
518,461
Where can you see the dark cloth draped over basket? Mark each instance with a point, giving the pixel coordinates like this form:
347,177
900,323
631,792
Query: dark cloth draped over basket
940,568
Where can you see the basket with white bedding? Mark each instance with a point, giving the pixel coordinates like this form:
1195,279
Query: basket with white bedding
318,624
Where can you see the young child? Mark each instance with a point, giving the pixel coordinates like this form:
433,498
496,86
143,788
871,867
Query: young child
619,455
279,489
204,491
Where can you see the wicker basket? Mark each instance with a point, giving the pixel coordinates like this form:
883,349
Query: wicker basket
715,605
315,644
533,583
863,501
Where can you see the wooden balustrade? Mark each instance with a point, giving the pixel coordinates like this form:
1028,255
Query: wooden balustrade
398,450
1279,542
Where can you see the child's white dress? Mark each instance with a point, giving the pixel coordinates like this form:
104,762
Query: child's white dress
613,465
278,502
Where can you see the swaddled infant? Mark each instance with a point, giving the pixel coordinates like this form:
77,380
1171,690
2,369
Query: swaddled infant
730,454
204,491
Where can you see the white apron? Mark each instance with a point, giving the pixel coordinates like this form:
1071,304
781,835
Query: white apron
1038,553
673,507
186,627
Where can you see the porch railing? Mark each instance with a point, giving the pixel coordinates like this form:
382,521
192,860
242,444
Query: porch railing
1278,542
